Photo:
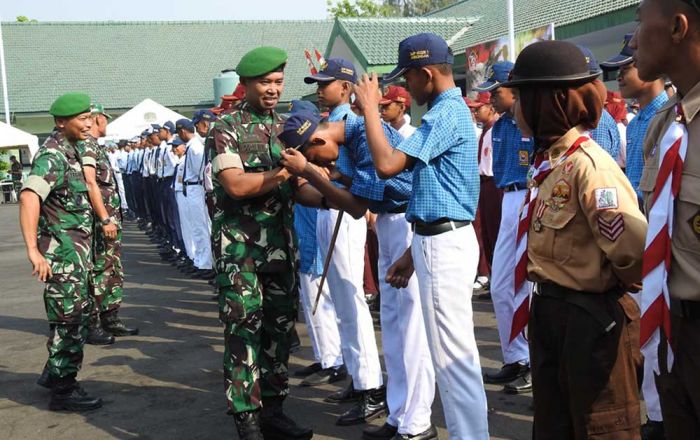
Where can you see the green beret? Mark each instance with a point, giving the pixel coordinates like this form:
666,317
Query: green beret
261,61
70,104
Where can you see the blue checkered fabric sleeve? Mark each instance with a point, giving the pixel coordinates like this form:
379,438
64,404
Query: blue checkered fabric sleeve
511,153
607,135
445,174
636,131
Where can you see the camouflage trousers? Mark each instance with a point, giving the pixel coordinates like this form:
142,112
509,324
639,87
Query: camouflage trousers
107,277
67,309
258,311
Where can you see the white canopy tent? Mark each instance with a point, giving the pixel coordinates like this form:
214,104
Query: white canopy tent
12,138
133,122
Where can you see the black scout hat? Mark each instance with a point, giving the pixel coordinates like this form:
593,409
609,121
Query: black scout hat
550,63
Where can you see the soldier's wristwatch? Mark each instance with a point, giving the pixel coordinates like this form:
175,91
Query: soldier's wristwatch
106,221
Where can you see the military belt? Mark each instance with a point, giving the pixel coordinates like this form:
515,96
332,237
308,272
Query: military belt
438,227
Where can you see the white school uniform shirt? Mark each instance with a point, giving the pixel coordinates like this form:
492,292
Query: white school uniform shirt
194,158
486,163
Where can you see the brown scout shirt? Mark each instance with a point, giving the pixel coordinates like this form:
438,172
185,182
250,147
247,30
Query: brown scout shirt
590,236
684,276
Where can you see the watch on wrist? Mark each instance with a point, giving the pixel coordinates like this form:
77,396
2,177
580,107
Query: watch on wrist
106,221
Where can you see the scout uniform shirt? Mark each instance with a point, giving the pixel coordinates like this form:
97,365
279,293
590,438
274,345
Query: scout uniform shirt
684,275
586,233
256,234
65,222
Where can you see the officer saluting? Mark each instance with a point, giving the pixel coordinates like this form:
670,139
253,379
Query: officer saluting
253,241
580,238
54,201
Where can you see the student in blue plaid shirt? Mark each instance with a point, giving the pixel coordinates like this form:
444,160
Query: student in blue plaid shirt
411,379
442,155
511,162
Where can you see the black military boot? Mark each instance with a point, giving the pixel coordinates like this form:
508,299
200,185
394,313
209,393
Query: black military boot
248,425
372,404
277,426
68,395
114,325
96,334
347,394
45,380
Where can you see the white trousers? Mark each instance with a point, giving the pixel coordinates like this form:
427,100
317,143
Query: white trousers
446,267
323,326
503,279
345,275
185,224
410,376
122,194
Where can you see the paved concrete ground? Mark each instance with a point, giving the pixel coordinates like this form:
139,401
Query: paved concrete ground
166,383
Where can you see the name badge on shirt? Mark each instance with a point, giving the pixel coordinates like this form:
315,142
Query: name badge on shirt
524,158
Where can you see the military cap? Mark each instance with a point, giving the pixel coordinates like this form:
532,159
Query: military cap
261,61
297,105
334,68
156,128
184,124
99,109
299,128
203,115
70,104
495,76
177,141
623,58
170,126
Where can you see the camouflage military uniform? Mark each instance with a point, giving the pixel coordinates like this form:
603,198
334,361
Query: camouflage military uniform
107,277
253,244
64,239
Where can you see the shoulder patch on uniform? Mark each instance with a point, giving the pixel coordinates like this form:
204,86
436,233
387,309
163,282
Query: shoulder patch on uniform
568,166
611,229
606,198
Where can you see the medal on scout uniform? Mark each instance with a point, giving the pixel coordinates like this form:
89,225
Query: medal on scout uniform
695,224
537,223
561,194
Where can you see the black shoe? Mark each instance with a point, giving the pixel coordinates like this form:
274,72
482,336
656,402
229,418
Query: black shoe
507,373
276,425
521,385
97,334
308,370
248,425
114,325
326,376
347,394
45,380
384,432
372,404
652,430
428,434
73,399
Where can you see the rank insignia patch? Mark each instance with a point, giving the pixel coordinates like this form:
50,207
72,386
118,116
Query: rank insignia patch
606,198
611,229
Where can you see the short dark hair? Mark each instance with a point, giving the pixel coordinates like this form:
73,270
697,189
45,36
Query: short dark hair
445,69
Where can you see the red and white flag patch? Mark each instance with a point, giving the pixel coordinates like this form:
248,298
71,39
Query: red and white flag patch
611,229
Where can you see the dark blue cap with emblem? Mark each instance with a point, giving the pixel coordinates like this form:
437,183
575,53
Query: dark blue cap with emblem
299,128
621,59
334,68
593,66
184,124
297,105
170,126
203,115
155,128
177,141
421,50
495,76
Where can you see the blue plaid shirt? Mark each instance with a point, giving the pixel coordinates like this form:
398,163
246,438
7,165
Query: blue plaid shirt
446,174
310,261
384,195
343,163
607,135
511,153
636,130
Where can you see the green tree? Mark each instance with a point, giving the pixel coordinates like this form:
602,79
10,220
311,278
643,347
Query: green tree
25,19
385,8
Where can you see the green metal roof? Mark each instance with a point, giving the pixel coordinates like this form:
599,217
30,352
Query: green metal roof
529,14
375,41
121,63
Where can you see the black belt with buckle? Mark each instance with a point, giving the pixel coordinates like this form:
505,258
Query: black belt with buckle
399,209
192,183
438,227
593,303
685,308
514,187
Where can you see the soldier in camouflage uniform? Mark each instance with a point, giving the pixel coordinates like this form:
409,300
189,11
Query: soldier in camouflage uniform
253,244
56,222
107,277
